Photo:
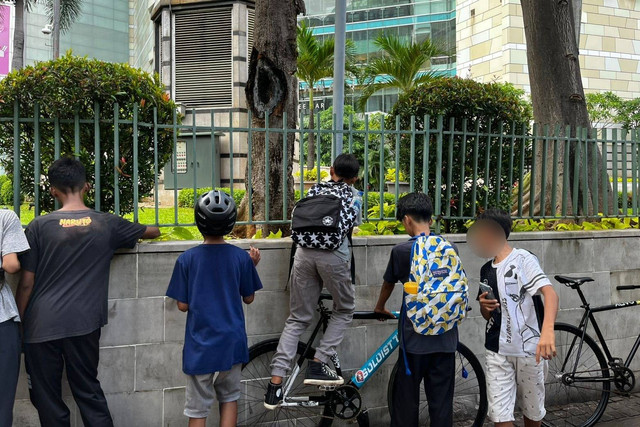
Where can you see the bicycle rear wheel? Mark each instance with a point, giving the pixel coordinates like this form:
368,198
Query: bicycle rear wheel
576,403
469,396
256,375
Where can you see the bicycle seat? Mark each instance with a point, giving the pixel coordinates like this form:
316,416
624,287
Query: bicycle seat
573,281
324,297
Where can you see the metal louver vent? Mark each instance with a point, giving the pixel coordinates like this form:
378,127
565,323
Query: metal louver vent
250,24
203,58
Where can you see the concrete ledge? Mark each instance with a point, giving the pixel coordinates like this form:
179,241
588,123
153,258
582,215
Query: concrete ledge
141,354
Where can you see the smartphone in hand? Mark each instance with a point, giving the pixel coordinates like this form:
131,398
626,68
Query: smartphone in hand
484,287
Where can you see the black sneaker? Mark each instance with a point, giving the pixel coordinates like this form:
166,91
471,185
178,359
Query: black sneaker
273,396
321,374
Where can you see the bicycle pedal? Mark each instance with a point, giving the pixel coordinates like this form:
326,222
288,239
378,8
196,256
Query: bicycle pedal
327,387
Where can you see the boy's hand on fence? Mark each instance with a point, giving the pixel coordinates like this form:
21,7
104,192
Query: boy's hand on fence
384,314
546,346
254,253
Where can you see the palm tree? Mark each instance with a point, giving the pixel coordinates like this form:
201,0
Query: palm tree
403,66
315,62
70,10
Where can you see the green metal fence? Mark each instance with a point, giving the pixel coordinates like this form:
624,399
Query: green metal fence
465,165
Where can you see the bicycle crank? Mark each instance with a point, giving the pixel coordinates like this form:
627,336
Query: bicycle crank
346,402
624,379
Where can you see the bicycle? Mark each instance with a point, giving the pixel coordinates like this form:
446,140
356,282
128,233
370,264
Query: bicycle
580,376
311,405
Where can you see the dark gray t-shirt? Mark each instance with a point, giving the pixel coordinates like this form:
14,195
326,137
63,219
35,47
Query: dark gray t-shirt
398,271
71,256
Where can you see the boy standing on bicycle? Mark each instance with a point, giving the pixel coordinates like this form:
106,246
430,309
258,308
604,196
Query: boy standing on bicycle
209,282
430,358
321,223
518,341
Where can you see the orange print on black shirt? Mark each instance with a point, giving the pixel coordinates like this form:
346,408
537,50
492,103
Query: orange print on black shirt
75,222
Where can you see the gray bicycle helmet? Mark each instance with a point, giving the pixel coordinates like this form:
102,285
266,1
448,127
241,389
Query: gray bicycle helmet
215,213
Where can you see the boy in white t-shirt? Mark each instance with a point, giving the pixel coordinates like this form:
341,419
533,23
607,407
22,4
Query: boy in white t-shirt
519,334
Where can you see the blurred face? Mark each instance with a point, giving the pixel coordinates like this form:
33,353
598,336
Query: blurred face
486,238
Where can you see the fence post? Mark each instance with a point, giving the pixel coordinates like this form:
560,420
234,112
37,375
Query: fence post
248,184
450,164
16,158
285,141
156,167
231,174
98,158
135,163
116,158
438,173
412,166
267,181
463,155
36,157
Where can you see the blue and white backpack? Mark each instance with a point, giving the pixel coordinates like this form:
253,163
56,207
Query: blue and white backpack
443,292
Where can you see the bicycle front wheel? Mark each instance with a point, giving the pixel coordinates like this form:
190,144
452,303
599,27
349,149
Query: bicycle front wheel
469,396
256,374
576,397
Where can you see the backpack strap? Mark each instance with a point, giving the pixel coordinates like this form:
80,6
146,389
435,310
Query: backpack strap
294,248
353,258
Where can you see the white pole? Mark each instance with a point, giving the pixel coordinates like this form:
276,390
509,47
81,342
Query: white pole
338,72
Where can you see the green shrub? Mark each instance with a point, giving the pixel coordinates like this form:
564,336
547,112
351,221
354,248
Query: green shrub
6,191
312,174
186,198
71,86
477,104
390,176
373,198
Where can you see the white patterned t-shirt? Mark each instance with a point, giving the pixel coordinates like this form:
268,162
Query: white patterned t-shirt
514,329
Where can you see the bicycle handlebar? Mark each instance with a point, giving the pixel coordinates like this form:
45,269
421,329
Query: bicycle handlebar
627,287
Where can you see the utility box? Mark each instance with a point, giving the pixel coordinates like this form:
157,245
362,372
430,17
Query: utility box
195,161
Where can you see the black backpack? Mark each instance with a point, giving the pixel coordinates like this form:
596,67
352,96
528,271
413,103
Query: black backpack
324,218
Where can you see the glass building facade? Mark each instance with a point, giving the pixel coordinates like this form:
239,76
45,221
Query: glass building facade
101,31
408,19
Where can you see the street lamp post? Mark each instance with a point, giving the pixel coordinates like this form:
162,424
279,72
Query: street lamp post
338,73
56,29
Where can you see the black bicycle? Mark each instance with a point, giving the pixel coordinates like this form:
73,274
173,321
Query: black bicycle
582,377
310,405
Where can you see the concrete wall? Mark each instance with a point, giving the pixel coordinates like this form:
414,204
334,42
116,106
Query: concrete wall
141,347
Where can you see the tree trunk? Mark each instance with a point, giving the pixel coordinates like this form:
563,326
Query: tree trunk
18,36
311,146
271,92
558,100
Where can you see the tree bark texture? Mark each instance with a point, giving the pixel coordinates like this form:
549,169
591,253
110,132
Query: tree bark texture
558,101
18,36
271,91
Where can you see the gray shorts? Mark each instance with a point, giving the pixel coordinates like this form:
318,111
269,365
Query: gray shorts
201,388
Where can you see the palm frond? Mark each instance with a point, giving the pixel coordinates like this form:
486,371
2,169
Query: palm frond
369,90
70,11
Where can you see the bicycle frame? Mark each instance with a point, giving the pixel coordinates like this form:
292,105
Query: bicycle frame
587,317
359,378
362,375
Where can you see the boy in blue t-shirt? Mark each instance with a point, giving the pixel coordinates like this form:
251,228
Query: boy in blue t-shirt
209,282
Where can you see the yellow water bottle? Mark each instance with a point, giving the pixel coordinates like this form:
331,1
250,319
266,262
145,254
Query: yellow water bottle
411,287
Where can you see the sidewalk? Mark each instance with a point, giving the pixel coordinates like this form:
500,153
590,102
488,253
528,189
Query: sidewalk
621,412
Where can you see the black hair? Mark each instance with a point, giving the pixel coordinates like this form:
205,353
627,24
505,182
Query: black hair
416,205
500,217
67,175
346,166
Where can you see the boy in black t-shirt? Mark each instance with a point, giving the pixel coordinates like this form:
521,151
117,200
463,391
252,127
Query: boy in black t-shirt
62,297
430,357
